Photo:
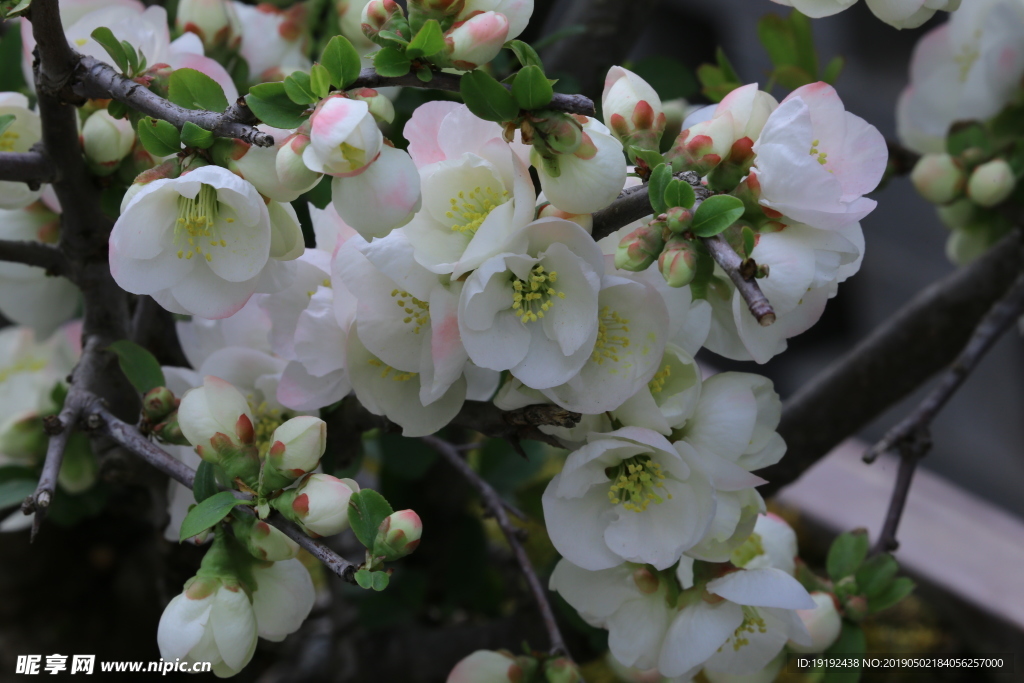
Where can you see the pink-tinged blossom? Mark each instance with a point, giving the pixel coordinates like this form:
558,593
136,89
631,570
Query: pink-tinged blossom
273,40
476,40
23,132
896,13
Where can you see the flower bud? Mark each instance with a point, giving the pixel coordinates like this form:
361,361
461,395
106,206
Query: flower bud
106,141
561,670
476,41
344,138
382,15
678,219
263,541
214,21
702,146
938,177
380,106
727,175
823,623
991,183
158,403
291,170
436,9
749,108
584,220
678,262
856,607
216,419
632,109
319,504
638,250
957,215
169,431
646,582
487,666
556,132
295,449
398,535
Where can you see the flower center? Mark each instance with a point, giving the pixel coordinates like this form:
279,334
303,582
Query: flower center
968,55
752,622
533,297
7,140
23,365
822,156
396,375
611,336
355,156
750,549
469,212
416,312
265,420
657,382
634,481
195,222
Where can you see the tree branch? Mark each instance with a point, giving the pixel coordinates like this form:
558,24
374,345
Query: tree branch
901,354
912,436
496,507
32,168
742,277
34,254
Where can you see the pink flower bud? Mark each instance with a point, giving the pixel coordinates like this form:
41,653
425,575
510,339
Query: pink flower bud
263,541
702,146
561,670
640,248
344,138
158,403
678,219
398,535
378,15
823,623
632,109
295,449
216,419
938,177
319,504
214,21
991,183
645,581
476,40
380,106
678,262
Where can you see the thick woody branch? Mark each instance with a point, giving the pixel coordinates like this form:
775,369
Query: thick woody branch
900,355
99,80
496,507
369,78
912,436
32,168
34,254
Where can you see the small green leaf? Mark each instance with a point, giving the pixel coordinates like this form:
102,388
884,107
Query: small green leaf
299,88
679,193
424,73
427,42
487,98
159,137
531,88
366,510
892,594
852,642
194,136
715,214
749,241
832,70
380,580
271,104
13,491
105,37
140,366
131,56
875,575
117,109
319,81
966,134
195,90
659,180
847,554
526,55
649,156
364,577
207,513
391,63
393,37
341,61
9,9
5,121
205,484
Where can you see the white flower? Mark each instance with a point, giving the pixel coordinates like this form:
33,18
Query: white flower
897,13
477,40
319,503
591,178
19,136
477,190
486,666
669,399
344,138
772,544
814,160
198,243
273,40
282,598
214,21
749,108
382,197
211,621
259,165
822,622
533,309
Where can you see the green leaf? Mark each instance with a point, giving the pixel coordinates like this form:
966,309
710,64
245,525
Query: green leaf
851,641
726,66
847,554
803,42
117,109
424,73
159,137
131,55
319,81
364,577
715,214
299,88
792,77
660,178
964,135
749,241
105,37
13,491
271,104
875,575
207,513
649,156
5,121
892,594
679,193
10,9
380,580
195,90
429,40
526,55
194,136
531,88
391,63
341,61
487,98
140,366
366,510
832,70
205,484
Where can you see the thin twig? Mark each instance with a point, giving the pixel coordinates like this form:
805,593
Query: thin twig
632,204
34,254
496,507
911,437
732,264
32,168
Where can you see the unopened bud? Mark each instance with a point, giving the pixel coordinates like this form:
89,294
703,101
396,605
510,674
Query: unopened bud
561,670
158,403
823,623
991,183
678,219
398,535
319,504
106,141
488,666
214,21
639,249
645,581
169,431
382,15
292,172
678,262
476,40
957,215
295,449
436,9
632,109
702,146
938,178
584,220
380,106
856,607
725,176
263,541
